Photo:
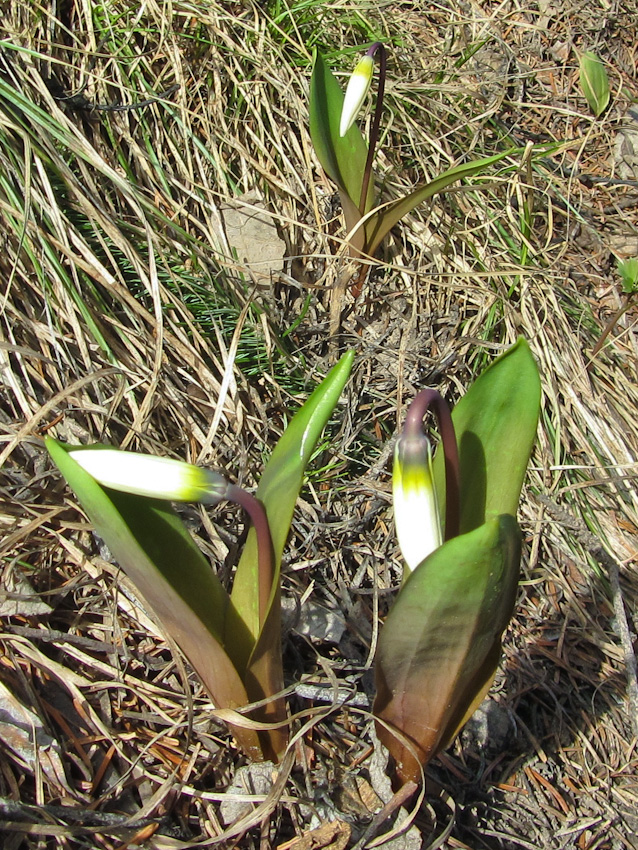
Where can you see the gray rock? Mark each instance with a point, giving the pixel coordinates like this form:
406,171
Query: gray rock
252,779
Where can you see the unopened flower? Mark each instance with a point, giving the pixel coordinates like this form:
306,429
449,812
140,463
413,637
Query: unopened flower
416,509
158,478
356,91
416,504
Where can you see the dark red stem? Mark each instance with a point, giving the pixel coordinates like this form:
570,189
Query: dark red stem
257,514
376,123
431,399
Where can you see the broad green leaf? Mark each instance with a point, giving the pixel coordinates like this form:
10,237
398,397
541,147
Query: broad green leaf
495,425
440,644
380,224
256,645
594,83
628,270
278,491
157,553
343,159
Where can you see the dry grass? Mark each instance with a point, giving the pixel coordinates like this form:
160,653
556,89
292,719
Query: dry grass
126,320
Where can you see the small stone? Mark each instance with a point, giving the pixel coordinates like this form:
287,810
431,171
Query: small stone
626,147
488,728
251,233
258,779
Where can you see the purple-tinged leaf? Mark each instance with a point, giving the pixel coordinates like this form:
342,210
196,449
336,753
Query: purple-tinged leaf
440,644
158,555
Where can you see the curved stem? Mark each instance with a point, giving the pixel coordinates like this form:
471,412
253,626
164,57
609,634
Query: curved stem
376,123
422,402
257,514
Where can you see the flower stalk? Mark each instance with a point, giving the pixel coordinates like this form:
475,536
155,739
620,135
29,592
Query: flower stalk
177,481
424,401
376,122
257,514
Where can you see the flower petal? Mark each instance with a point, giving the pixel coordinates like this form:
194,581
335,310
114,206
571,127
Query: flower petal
416,510
156,477
357,89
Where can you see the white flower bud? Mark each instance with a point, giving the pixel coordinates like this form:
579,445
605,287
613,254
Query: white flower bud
416,510
357,89
156,477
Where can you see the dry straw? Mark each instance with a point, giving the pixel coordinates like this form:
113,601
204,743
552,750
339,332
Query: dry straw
118,311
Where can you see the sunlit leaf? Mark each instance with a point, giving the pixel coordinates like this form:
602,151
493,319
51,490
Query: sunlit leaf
278,490
158,555
441,642
594,82
380,224
495,423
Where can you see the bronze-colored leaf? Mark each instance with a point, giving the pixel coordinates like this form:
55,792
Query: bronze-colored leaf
440,644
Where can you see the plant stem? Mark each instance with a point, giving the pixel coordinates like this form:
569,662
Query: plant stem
257,514
374,138
422,402
376,123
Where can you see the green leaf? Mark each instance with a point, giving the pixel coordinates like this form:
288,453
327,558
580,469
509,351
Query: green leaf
380,224
343,159
594,82
278,491
157,553
257,645
440,644
495,424
628,270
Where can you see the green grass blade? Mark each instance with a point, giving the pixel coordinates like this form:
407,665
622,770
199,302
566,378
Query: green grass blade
157,553
440,643
495,424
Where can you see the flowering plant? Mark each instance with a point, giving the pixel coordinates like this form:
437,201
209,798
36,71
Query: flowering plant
231,639
347,158
455,519
455,516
